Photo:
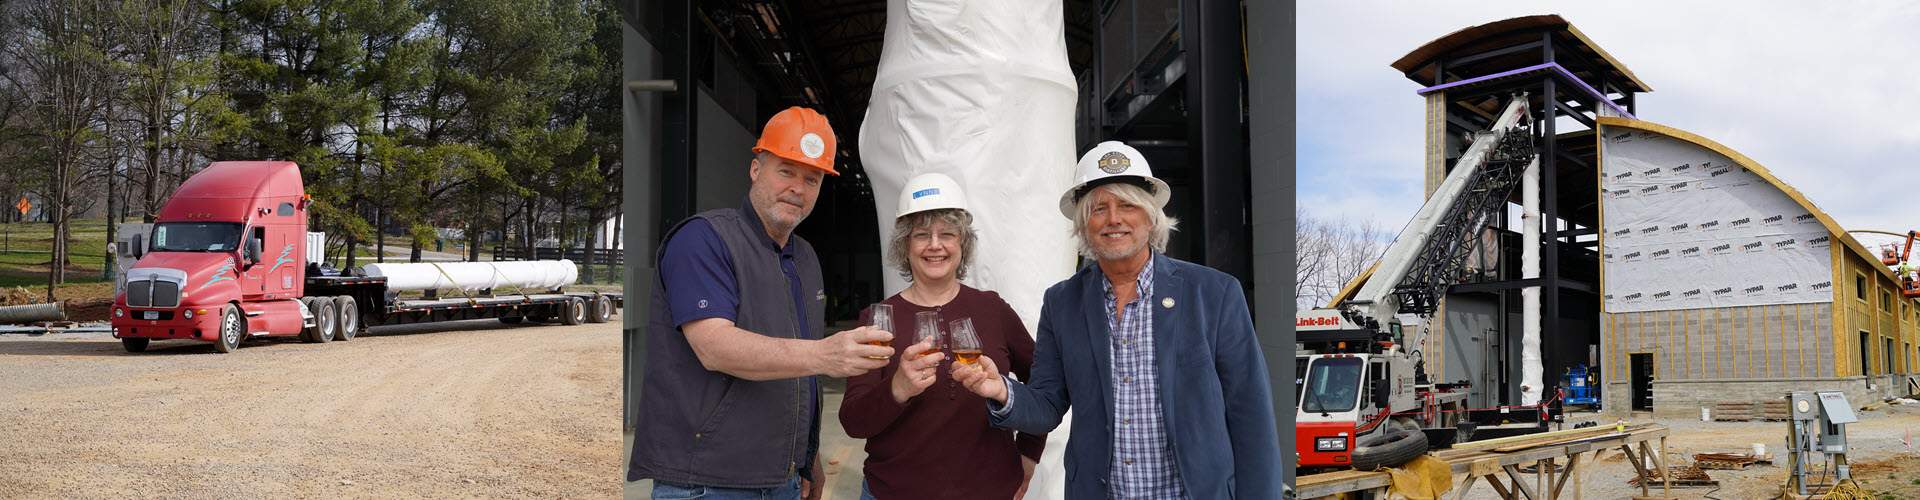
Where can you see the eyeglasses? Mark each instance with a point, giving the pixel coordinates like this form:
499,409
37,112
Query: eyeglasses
924,236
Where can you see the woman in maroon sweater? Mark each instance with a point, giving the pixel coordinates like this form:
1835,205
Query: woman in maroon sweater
927,437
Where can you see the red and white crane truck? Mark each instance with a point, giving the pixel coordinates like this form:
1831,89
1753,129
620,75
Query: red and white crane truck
229,258
1365,400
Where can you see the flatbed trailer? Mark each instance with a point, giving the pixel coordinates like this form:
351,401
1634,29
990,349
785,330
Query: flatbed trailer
380,307
229,258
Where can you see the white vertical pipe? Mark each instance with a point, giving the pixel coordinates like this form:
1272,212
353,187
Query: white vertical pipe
1530,369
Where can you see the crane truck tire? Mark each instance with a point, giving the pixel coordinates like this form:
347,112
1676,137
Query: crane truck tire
575,311
232,328
600,310
325,322
349,316
1402,442
135,344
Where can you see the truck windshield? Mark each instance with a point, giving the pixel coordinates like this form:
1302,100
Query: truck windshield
1299,379
196,236
1333,384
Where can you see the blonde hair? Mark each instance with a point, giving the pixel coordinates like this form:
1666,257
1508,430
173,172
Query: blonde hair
1135,195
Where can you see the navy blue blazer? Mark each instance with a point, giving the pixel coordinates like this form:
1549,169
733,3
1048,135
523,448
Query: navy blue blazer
1214,393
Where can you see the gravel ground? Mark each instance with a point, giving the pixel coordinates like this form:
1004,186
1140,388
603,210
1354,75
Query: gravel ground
474,409
1880,458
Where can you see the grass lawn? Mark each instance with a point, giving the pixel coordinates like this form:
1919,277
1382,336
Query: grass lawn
25,251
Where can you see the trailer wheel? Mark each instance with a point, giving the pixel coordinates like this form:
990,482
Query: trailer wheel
1402,442
232,328
325,320
135,344
576,311
349,316
600,310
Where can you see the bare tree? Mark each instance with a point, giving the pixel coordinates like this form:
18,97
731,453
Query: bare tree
1330,253
61,67
169,76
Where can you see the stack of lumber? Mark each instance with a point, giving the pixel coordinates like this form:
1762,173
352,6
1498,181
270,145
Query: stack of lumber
1683,476
1733,410
1728,461
1775,409
1530,441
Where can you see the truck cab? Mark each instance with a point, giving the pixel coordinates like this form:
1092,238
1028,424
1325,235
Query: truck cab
226,260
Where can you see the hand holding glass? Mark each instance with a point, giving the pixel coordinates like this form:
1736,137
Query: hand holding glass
966,343
881,318
927,329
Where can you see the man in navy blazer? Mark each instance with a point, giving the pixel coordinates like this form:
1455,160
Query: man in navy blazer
1159,356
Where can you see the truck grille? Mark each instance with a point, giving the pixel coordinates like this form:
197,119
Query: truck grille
153,293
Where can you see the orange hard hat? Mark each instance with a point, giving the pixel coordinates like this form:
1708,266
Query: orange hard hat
799,135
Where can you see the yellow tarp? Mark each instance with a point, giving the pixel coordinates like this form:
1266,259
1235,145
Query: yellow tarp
1423,478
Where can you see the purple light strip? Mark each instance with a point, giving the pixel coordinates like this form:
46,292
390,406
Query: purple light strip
1554,66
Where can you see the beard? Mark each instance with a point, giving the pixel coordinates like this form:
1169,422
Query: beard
780,214
1117,250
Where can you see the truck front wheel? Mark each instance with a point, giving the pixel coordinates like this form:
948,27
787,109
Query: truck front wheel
135,344
232,327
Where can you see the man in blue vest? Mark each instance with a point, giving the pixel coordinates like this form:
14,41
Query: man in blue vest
730,405
1157,357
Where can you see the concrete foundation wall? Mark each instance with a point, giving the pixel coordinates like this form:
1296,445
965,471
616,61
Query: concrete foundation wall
1786,341
1685,398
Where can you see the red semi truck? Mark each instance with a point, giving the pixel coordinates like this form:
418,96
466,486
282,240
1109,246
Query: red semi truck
227,259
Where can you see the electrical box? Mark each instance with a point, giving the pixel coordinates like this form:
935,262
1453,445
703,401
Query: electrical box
1818,426
1838,410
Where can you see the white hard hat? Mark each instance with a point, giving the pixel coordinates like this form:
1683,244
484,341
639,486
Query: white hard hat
930,191
1116,161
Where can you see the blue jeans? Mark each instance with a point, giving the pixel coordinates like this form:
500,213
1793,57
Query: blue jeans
671,491
865,494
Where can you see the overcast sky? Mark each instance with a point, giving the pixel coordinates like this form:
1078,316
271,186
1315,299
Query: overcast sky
1826,95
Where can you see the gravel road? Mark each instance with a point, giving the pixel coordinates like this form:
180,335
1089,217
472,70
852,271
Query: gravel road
1878,445
472,409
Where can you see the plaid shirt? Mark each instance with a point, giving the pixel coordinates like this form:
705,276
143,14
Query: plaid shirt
1142,466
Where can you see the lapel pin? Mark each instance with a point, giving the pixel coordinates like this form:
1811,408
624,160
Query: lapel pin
1167,302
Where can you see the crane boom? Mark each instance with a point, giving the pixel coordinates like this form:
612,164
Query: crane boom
1429,254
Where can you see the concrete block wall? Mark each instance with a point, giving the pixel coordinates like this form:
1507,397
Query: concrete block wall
1685,398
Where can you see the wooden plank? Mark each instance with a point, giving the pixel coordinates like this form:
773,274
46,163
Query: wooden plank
1461,494
1567,441
1637,469
1505,494
1513,473
1485,466
1490,444
1334,483
1561,482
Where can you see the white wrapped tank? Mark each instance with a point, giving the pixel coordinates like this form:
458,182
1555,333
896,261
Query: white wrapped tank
473,276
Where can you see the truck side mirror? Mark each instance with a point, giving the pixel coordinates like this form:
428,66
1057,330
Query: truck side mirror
252,254
1381,398
136,247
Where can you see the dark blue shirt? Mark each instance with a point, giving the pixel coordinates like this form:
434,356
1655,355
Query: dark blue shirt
697,271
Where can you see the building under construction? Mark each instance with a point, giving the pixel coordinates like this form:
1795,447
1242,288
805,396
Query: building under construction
1677,270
